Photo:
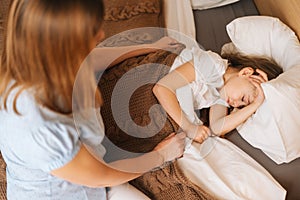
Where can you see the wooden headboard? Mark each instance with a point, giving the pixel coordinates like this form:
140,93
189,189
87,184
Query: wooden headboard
288,11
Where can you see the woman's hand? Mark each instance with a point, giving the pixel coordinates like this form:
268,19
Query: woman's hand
166,43
171,147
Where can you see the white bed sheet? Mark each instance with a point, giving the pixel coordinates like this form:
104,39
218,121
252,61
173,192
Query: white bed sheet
228,173
222,170
126,191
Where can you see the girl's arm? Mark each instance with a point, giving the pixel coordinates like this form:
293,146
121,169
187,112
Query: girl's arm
85,169
165,90
221,123
104,57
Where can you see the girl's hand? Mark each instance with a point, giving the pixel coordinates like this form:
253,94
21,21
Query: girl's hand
166,43
260,93
199,133
171,147
257,80
262,77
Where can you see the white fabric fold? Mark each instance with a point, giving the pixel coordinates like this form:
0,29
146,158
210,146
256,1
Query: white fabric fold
226,172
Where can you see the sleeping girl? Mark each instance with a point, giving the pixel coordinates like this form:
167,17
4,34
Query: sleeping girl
202,79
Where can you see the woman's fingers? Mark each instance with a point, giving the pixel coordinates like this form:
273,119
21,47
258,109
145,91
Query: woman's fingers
172,147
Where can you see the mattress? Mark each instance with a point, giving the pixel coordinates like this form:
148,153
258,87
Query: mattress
211,34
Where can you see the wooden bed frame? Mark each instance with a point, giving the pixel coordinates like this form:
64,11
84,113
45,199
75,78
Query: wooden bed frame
287,11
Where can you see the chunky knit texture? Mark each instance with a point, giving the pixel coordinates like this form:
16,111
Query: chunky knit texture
4,5
2,179
168,183
122,15
142,99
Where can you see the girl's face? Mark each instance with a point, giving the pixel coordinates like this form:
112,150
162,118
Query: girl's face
239,90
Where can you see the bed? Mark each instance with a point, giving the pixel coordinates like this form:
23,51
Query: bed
287,174
207,25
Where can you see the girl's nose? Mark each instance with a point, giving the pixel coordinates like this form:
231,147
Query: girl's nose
231,102
234,103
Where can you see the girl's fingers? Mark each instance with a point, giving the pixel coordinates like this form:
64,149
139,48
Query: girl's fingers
262,77
262,74
256,84
257,78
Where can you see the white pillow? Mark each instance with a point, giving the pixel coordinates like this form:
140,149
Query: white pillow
264,35
206,4
275,127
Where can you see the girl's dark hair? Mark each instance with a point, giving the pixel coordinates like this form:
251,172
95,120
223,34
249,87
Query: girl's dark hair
268,65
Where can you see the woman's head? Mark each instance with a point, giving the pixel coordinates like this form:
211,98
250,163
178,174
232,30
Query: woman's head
46,41
238,89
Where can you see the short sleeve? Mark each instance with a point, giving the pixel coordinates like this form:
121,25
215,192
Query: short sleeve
209,71
53,145
90,128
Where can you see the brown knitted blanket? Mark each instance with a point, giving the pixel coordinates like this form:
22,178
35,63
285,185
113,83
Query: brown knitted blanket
2,179
122,15
169,182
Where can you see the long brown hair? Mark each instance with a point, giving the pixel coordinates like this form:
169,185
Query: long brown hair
46,42
268,65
